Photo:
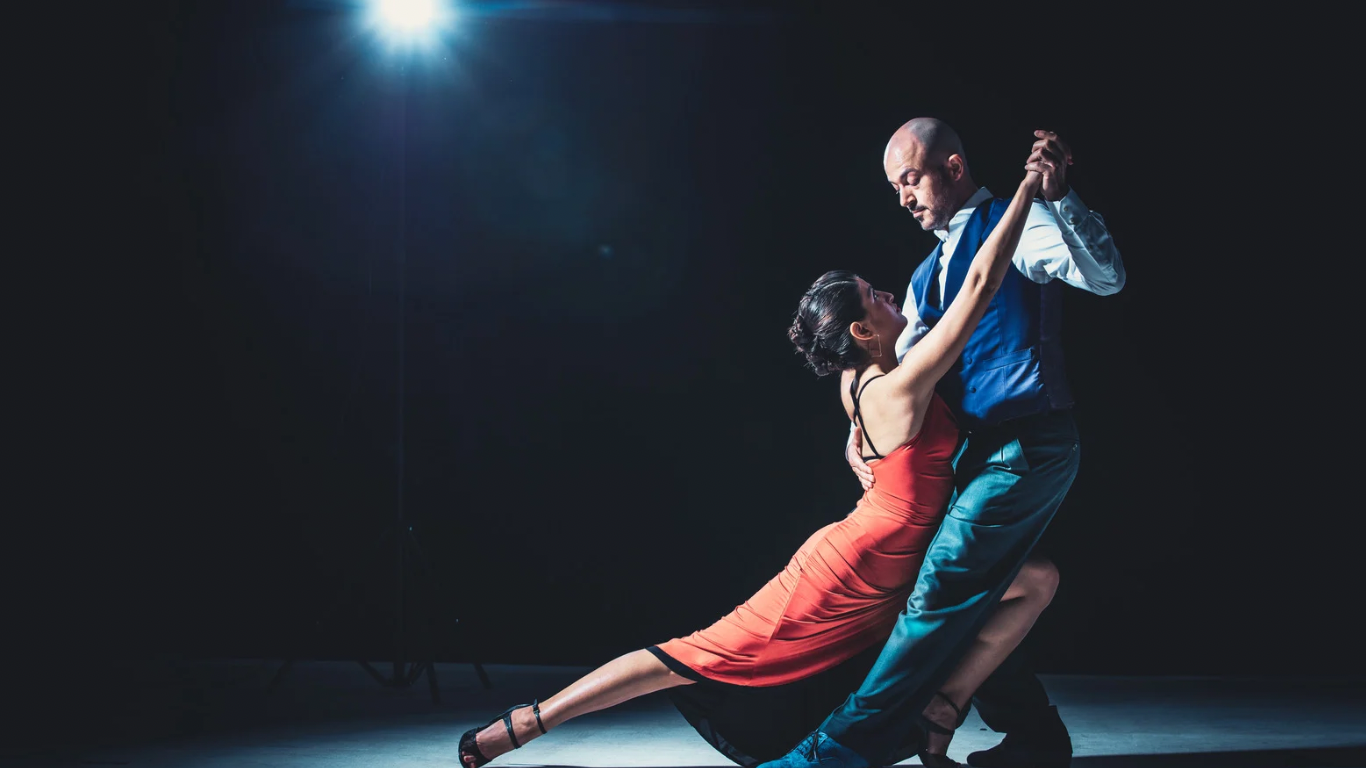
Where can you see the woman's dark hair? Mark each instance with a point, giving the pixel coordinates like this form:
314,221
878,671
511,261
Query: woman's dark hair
821,328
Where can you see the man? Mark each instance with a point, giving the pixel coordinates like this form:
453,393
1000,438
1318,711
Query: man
1020,457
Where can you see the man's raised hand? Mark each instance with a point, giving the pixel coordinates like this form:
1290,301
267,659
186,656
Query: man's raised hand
1050,156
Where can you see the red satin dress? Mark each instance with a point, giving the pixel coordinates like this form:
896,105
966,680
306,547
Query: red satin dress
836,599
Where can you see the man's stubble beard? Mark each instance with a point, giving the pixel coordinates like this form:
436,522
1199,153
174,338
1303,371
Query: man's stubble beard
940,220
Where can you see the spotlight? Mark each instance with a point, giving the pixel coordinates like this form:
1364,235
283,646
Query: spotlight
407,15
407,23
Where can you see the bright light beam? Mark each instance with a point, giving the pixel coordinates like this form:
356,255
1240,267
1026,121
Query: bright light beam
406,15
410,22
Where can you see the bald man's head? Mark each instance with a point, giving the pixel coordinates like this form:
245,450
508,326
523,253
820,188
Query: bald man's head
937,138
925,164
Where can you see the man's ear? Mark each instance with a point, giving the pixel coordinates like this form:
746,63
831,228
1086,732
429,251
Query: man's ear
956,166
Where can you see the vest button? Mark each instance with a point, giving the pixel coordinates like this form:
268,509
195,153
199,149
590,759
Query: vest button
972,389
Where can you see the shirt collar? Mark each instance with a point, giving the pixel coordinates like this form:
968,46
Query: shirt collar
959,219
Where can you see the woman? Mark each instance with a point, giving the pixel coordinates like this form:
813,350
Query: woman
765,675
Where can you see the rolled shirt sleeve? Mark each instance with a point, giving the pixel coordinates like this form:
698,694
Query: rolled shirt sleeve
1067,241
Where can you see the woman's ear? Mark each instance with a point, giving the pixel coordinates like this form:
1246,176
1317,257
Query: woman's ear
860,331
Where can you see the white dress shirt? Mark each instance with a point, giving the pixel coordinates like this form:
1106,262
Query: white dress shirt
1064,241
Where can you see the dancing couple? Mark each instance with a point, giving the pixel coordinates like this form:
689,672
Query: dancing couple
963,438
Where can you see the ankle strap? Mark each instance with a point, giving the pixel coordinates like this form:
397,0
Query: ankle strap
536,710
960,714
507,723
956,711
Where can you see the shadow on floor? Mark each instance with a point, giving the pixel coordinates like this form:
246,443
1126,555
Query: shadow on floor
1321,757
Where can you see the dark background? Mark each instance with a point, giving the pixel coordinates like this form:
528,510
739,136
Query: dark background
609,441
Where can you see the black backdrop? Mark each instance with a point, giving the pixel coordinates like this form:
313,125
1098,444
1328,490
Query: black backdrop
608,224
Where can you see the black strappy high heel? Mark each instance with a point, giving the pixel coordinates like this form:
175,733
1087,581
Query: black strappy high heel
469,747
934,760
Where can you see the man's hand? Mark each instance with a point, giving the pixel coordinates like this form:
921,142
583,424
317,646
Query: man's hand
854,454
1050,157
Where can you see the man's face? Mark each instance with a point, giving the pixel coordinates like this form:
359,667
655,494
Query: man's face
921,186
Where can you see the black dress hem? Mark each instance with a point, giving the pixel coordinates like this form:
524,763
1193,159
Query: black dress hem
752,724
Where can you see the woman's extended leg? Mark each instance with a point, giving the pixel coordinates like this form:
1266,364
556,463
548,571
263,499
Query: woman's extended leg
621,679
1030,592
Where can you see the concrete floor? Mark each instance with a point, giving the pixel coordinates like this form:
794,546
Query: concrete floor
201,715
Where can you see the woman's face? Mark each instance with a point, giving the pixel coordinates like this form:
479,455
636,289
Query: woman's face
882,315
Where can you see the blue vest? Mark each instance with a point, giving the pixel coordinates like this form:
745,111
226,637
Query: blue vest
1012,365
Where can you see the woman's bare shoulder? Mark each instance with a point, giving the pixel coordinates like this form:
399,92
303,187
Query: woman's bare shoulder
846,378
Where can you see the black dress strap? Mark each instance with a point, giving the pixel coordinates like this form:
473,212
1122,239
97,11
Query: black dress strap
855,391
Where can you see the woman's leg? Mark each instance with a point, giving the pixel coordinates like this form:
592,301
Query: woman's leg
621,679
1030,592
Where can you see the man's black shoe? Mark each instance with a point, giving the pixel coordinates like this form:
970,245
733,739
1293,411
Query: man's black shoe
1046,744
1015,753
